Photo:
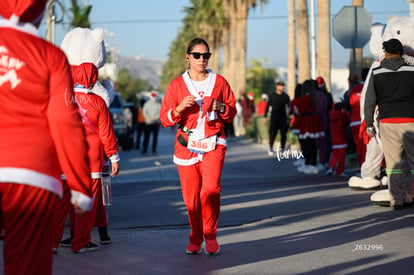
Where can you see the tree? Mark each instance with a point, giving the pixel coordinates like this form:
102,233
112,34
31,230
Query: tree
302,35
324,42
80,15
259,78
235,43
129,86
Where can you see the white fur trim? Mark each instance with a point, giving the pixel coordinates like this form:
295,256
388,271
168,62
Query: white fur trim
84,202
31,177
23,27
186,162
222,141
115,157
169,114
355,123
96,175
339,146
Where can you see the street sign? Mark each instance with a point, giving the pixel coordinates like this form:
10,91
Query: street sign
352,27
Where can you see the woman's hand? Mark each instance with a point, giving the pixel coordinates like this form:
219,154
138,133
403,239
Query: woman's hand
115,168
216,105
187,102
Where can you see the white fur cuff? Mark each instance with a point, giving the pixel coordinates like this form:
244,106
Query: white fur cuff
84,202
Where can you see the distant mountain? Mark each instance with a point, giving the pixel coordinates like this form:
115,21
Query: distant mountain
148,69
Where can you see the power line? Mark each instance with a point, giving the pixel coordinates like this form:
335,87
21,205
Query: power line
253,18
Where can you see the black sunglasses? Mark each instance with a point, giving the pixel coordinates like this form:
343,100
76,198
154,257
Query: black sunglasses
196,55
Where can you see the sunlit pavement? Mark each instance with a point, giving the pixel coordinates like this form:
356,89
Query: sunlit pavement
274,220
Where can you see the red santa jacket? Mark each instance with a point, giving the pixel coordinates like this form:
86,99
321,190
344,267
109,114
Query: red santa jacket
41,132
193,118
338,124
96,118
354,101
296,121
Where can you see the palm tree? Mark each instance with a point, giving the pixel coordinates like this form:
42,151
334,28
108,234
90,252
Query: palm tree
208,16
324,42
234,42
80,15
302,40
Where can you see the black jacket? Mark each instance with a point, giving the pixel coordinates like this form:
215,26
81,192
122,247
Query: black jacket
391,86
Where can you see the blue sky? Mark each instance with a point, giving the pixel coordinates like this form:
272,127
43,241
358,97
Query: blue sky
147,28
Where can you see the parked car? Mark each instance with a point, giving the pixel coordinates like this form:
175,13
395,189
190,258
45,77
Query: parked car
122,122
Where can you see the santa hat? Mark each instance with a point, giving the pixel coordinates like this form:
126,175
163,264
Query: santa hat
85,74
22,10
250,95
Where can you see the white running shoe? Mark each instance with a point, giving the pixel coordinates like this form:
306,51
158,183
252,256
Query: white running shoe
302,168
311,169
299,162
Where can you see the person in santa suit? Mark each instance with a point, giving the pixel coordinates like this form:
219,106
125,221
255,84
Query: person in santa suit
200,102
355,119
101,138
39,128
339,123
310,127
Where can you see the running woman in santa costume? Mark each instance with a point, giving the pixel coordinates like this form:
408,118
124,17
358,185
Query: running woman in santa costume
200,102
101,138
41,134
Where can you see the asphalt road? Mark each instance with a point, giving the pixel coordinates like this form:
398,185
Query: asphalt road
273,220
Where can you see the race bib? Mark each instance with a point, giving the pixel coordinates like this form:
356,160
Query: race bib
201,146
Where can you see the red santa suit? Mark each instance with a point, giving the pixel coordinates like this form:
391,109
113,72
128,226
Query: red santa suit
199,173
39,129
296,121
101,138
338,125
355,121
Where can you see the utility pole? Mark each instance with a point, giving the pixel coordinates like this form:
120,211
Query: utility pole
50,21
411,3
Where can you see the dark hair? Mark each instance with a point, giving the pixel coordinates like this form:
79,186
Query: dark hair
339,106
393,46
308,87
298,91
197,41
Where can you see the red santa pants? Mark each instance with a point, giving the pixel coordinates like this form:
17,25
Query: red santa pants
83,225
27,219
201,186
60,214
360,146
338,156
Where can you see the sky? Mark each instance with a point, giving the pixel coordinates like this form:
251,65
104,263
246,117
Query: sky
147,28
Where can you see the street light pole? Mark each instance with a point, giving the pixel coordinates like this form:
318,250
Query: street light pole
313,41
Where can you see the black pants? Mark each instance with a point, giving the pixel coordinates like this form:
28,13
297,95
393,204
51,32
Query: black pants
140,132
310,151
273,129
151,129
